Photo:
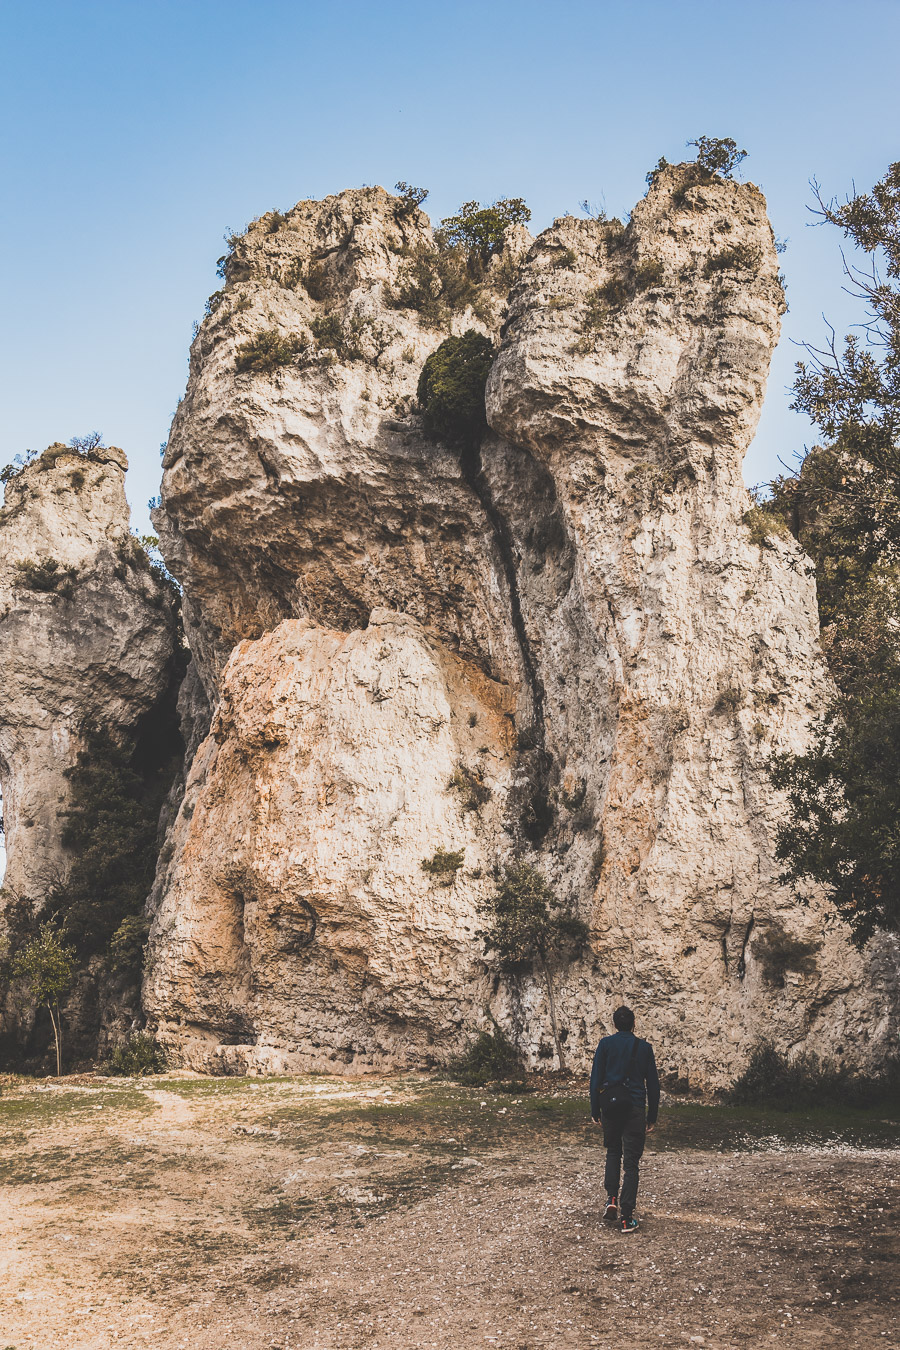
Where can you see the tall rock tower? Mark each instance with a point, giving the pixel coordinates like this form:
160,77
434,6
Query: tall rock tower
561,646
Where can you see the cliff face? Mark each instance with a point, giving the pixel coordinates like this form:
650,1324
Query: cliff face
575,620
86,636
309,492
87,641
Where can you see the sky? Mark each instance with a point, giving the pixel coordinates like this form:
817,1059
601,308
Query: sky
137,133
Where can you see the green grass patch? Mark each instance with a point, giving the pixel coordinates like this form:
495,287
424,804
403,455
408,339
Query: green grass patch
35,1109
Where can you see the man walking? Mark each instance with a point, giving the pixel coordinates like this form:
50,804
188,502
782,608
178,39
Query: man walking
625,1091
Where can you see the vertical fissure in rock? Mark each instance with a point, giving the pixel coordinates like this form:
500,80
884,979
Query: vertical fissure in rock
742,959
473,472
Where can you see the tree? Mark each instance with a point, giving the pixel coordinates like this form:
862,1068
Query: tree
480,229
844,796
48,964
411,198
86,445
527,923
844,507
718,154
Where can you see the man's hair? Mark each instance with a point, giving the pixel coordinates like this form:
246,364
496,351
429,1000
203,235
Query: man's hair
623,1019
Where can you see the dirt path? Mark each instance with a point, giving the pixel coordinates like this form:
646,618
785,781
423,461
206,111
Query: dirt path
408,1213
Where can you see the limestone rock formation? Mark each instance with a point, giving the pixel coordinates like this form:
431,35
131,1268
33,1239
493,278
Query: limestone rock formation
308,943
307,490
86,636
575,618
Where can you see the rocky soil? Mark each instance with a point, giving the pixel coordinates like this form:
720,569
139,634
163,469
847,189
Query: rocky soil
403,1212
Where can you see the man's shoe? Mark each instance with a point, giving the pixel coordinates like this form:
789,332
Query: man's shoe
630,1225
611,1212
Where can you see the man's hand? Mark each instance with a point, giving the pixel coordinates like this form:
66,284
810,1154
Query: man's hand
651,1128
595,1120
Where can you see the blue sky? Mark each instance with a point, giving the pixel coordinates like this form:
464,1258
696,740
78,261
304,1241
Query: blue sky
137,132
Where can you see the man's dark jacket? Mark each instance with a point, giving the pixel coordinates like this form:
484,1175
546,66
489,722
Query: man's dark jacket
613,1064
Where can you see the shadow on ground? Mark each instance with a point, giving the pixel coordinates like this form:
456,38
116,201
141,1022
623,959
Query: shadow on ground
409,1211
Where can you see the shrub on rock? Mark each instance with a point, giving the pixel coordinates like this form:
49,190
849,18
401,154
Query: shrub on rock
451,388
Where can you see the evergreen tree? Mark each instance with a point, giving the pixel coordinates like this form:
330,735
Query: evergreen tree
844,507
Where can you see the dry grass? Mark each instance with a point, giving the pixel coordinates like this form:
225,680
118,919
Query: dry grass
409,1212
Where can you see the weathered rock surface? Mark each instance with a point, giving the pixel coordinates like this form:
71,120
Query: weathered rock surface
332,946
580,618
309,492
91,642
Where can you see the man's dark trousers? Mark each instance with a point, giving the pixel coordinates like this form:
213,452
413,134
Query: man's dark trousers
625,1134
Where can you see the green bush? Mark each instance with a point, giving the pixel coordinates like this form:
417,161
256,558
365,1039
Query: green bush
595,317
765,525
232,240
613,293
268,351
778,952
328,333
772,1079
126,946
356,338
491,1058
443,866
20,462
480,229
451,389
718,155
469,783
87,445
311,274
844,797
649,272
443,280
739,258
213,302
527,923
436,284
661,163
136,1057
411,198
47,963
566,258
729,701
48,576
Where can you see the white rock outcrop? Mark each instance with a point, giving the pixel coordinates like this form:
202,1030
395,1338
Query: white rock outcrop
86,637
576,618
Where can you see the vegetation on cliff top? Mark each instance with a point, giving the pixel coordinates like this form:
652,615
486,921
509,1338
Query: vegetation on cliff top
88,447
449,277
717,157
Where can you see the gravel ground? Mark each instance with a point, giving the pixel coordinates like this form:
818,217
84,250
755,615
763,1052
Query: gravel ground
185,1212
